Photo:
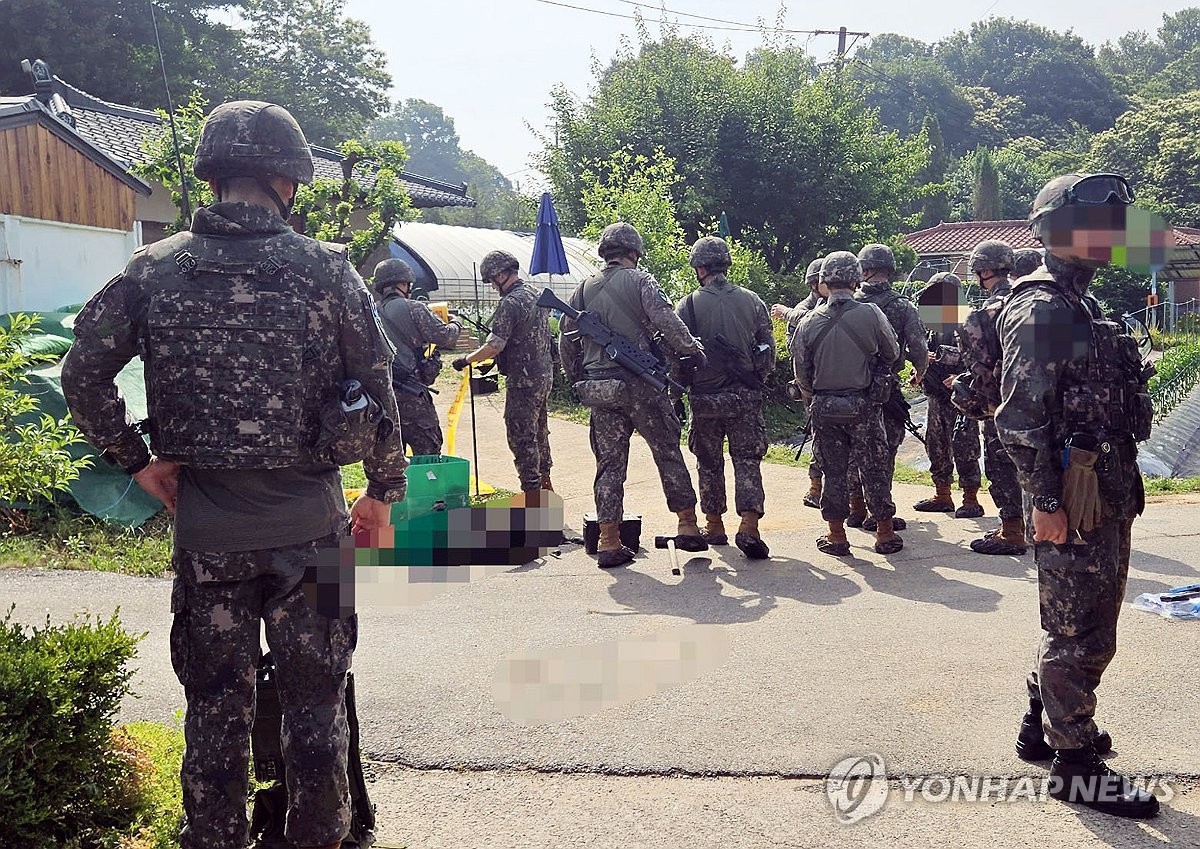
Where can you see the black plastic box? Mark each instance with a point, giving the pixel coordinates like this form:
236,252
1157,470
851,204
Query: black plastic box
631,532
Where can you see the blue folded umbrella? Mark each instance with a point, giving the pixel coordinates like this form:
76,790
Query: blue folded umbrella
548,254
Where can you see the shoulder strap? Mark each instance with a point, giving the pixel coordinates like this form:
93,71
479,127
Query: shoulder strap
834,319
691,311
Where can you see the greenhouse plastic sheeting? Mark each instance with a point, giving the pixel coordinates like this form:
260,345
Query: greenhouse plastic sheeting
104,491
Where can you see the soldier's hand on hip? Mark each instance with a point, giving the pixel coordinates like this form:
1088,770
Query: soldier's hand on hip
1050,527
368,514
161,479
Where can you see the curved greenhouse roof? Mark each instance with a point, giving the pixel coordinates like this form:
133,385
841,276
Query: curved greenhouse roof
445,258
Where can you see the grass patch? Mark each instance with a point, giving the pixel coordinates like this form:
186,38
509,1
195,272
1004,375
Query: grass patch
1171,486
155,755
59,539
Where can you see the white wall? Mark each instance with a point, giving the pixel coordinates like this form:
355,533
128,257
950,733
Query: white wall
49,264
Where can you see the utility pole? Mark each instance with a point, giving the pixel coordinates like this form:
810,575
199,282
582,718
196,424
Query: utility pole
841,33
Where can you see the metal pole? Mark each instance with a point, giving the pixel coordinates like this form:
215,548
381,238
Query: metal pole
474,433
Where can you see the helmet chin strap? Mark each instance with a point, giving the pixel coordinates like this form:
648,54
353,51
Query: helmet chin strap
285,209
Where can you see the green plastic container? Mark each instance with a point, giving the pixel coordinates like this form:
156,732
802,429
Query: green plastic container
435,483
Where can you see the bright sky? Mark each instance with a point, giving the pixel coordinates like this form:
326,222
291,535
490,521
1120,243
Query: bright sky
490,65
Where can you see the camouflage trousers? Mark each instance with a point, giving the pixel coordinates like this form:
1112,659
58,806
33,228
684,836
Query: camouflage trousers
747,435
893,433
951,441
1004,485
528,431
420,427
1080,592
215,652
863,445
649,413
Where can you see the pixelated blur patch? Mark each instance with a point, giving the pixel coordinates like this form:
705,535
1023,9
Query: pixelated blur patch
942,307
415,559
1054,335
554,684
1129,237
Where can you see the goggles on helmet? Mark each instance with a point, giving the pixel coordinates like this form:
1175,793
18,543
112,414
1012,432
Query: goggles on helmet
1100,189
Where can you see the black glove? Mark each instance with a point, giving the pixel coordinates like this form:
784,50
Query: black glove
460,364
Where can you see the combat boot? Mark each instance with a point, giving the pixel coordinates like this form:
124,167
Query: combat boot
813,497
714,530
858,512
688,536
971,508
869,524
609,552
835,541
748,540
546,485
1079,776
1009,538
886,541
940,503
1031,740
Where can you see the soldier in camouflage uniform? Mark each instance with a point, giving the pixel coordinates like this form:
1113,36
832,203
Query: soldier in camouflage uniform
727,395
1073,389
629,302
951,439
976,392
520,342
837,346
878,267
793,316
247,329
412,328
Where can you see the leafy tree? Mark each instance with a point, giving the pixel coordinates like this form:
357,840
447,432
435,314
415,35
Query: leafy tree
34,458
985,194
1022,167
1056,74
1156,145
161,165
322,65
108,46
428,134
934,202
1180,32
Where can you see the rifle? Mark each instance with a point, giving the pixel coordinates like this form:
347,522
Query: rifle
618,349
478,325
897,409
409,385
805,434
735,363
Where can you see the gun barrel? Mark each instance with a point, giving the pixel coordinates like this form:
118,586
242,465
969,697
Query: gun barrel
549,300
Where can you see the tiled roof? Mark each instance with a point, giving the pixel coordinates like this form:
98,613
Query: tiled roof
122,132
960,237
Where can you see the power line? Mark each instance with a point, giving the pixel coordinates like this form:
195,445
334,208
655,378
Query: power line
740,27
703,17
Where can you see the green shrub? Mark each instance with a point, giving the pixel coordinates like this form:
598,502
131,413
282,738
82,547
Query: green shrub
62,783
154,754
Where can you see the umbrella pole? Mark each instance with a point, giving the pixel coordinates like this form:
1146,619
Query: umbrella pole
474,433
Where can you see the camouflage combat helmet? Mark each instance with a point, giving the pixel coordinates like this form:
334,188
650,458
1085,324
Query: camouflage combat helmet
712,253
1026,261
991,255
249,138
944,278
877,256
619,238
841,267
497,262
813,274
392,272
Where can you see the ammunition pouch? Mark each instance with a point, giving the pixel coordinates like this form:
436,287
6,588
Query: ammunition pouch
840,409
933,381
896,407
348,436
429,367
1111,396
884,382
608,394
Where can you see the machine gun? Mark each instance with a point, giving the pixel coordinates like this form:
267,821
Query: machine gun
898,409
617,348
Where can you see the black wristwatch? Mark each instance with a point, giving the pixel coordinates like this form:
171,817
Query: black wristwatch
1047,503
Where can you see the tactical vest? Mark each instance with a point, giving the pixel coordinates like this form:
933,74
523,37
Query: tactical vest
236,369
730,312
530,334
976,392
1107,393
395,314
615,297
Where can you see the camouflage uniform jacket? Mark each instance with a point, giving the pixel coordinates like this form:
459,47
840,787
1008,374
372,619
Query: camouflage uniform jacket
740,317
630,302
335,322
1045,335
411,326
979,344
521,333
793,316
840,364
902,314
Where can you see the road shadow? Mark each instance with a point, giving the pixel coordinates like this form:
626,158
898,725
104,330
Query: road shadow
924,541
1172,827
